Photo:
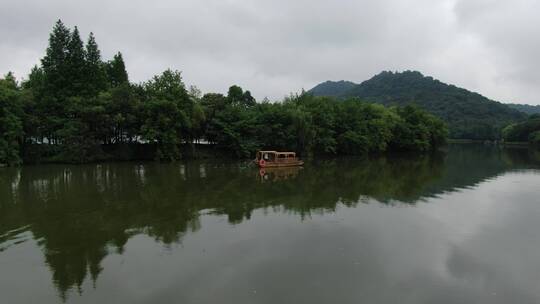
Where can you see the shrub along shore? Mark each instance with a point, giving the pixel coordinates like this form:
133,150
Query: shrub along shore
75,107
527,131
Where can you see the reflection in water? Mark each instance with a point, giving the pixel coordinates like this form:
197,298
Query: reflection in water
80,214
278,173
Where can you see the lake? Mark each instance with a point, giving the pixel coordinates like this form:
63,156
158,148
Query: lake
460,226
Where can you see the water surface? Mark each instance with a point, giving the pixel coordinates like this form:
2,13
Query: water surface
454,227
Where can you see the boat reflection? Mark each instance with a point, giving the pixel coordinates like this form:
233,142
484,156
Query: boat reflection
278,174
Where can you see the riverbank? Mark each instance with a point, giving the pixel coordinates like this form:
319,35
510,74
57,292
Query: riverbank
50,154
493,142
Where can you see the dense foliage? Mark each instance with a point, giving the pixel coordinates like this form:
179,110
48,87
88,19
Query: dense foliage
332,88
319,125
76,107
526,131
468,115
10,121
525,108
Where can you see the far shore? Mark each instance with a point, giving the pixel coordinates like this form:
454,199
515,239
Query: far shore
484,141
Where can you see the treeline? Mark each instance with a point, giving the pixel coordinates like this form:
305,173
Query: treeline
526,131
75,106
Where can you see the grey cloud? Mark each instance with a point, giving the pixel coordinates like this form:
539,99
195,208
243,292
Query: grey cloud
277,47
510,31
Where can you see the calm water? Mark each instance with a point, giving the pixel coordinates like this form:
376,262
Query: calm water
459,227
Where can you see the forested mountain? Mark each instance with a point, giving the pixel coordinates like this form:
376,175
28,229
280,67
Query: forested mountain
525,108
469,115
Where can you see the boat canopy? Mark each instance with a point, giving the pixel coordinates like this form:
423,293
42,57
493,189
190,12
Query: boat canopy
278,154
277,159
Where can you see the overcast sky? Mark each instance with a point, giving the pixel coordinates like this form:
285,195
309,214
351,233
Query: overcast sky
276,47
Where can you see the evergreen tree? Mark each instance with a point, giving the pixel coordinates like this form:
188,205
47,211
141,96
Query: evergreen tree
54,84
35,80
76,61
116,71
11,129
96,75
54,63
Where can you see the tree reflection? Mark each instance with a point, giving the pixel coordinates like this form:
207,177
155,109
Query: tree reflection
80,214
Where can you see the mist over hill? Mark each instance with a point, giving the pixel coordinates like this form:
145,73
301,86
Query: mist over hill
469,115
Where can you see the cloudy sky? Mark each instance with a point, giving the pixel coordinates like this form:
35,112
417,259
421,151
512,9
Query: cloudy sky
281,46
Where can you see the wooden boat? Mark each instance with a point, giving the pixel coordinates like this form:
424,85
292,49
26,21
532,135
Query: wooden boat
270,159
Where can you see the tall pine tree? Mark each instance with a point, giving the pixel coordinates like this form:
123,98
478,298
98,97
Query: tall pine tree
76,65
95,70
54,63
55,85
116,71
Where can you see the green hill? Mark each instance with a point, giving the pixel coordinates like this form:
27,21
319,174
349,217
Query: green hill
469,115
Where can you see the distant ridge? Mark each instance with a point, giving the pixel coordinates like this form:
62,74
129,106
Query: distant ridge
525,108
469,115
332,88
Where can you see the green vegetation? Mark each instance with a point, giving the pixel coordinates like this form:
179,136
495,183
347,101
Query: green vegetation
525,108
76,107
468,115
526,131
10,121
332,88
